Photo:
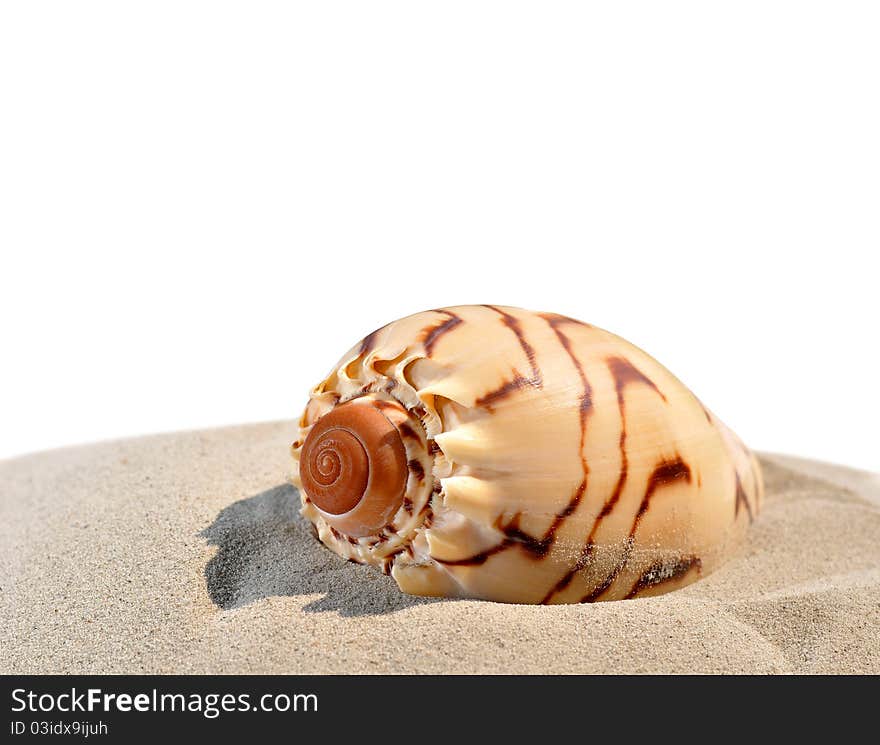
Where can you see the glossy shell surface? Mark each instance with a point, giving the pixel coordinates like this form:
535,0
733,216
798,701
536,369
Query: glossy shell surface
548,461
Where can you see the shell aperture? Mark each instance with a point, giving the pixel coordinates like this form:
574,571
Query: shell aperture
499,453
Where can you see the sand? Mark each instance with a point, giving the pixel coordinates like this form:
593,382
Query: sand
184,553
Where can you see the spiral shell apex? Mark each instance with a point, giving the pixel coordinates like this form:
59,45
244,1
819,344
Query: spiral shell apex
498,453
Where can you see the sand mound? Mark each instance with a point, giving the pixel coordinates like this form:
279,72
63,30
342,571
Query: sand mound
184,553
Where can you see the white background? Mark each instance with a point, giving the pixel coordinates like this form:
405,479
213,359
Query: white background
202,205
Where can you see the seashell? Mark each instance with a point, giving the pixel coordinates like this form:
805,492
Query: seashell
497,453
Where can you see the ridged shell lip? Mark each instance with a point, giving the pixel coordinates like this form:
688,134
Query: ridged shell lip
354,469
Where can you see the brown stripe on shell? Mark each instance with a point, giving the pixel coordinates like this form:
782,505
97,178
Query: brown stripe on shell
432,334
584,410
417,468
513,536
514,324
662,572
503,391
597,591
580,564
407,430
476,559
741,498
557,319
538,548
368,342
624,374
665,473
519,381
586,403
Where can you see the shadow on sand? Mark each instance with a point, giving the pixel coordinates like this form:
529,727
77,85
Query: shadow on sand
265,549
